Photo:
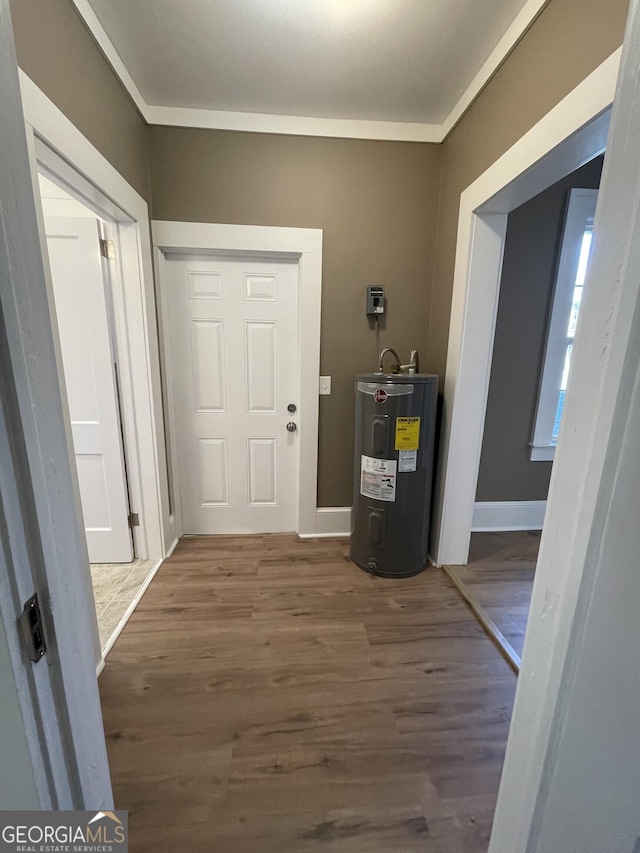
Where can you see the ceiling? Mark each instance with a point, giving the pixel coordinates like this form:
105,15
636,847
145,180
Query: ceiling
398,61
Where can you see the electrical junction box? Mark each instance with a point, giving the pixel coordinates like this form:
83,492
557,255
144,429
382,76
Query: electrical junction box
375,300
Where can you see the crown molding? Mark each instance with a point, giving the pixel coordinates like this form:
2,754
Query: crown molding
397,131
294,125
523,20
111,54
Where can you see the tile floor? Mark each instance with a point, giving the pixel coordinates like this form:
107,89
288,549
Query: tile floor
115,585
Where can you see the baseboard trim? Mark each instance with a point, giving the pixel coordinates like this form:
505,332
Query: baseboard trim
330,522
489,516
172,548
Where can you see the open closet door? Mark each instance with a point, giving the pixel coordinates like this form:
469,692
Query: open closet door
90,377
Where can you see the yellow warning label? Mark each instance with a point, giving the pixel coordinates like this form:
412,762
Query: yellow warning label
407,433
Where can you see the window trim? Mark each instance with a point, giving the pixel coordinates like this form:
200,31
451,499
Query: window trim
580,213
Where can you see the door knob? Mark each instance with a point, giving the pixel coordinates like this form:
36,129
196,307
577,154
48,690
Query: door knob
291,427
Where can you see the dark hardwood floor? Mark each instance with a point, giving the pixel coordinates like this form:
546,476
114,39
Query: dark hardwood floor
268,695
500,576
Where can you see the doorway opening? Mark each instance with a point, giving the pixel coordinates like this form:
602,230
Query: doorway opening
545,260
83,251
242,356
571,134
60,151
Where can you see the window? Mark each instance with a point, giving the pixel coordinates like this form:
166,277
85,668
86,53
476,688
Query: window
567,298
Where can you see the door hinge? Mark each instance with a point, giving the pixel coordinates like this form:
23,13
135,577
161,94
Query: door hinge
32,629
107,249
134,519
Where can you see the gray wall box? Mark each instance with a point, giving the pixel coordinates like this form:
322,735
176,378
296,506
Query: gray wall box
393,471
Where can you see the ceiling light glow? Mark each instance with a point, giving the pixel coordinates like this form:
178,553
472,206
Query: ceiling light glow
349,8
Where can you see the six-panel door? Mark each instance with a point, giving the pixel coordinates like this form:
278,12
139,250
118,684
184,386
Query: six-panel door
233,352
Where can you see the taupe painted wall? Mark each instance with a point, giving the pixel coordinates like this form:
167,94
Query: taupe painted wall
56,50
526,291
565,44
375,201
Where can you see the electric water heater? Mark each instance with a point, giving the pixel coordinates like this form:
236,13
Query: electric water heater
393,472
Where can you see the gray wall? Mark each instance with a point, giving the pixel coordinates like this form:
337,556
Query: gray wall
526,289
567,41
378,202
56,50
375,201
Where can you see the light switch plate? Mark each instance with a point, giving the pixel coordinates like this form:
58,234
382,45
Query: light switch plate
325,385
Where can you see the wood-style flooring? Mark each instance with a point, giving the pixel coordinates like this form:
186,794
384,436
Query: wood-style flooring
500,575
268,695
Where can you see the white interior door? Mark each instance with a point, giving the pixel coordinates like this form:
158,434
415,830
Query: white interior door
233,353
89,375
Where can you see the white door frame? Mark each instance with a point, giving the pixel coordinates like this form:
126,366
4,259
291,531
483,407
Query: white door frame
305,244
569,135
570,777
68,157
56,713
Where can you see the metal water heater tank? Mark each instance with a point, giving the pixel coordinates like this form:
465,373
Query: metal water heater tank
393,471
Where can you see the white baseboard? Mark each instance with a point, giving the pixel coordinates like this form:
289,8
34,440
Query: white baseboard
508,515
330,521
172,548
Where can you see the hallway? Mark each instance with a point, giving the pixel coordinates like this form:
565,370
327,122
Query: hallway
268,695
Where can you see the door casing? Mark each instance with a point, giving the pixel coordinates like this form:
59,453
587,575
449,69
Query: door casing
55,724
62,153
570,135
303,244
